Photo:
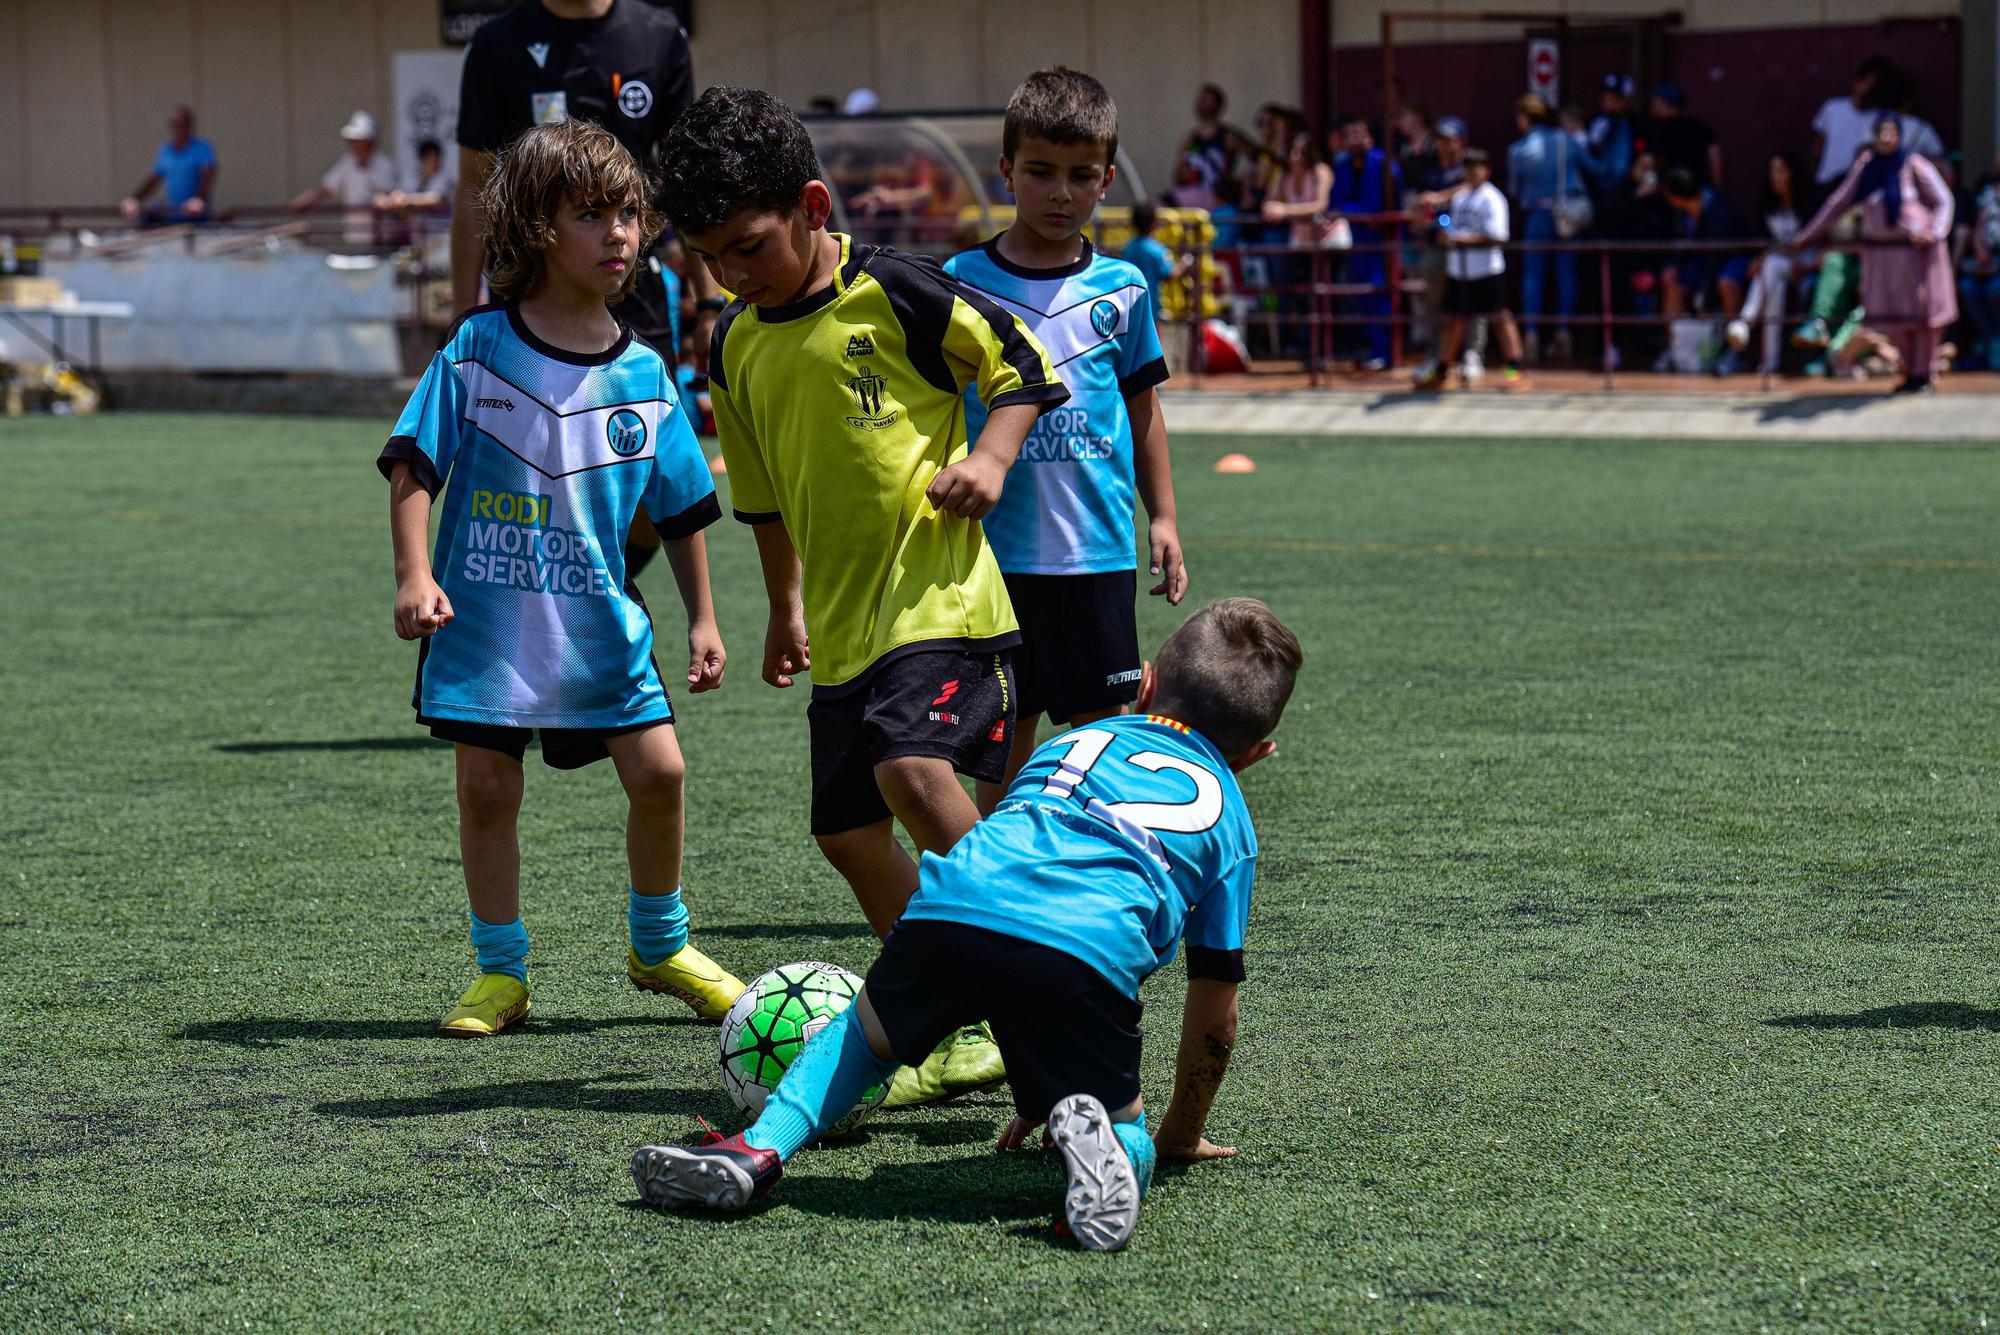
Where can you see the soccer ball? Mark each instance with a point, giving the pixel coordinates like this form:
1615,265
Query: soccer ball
773,1018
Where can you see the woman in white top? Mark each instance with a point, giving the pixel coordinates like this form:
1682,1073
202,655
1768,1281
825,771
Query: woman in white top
1298,201
1783,210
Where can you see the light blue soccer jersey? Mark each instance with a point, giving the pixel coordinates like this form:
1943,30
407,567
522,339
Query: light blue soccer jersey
1067,505
1116,841
544,455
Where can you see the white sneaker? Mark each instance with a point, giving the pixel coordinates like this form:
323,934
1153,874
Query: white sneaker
1737,335
1474,367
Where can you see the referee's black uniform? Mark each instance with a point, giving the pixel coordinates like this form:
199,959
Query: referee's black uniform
628,71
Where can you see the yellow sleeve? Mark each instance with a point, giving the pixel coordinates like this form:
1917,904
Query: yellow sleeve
991,349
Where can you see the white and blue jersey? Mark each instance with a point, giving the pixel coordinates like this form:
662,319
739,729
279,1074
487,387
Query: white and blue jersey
1067,505
543,456
1115,842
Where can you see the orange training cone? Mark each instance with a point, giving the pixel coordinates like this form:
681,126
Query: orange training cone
1235,463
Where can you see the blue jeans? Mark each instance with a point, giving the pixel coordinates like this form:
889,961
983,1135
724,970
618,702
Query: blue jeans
1540,225
1979,294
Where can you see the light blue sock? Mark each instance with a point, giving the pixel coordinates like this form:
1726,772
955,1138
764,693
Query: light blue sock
822,1083
659,925
500,947
1139,1148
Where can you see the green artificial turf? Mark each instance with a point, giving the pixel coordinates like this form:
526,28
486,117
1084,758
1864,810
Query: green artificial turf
1623,954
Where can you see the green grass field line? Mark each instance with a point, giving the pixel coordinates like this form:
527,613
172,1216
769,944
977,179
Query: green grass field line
1623,957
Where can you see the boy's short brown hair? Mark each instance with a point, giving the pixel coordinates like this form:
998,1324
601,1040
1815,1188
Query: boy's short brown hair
1061,106
543,169
1227,673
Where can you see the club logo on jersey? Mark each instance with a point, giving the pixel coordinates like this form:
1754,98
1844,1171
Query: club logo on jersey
504,405
1104,317
940,714
626,431
860,345
870,391
540,51
635,99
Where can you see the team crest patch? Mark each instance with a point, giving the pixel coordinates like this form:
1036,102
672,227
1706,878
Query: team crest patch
1104,318
626,432
870,393
635,99
860,345
540,52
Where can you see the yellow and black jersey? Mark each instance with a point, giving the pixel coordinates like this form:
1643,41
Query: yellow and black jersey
835,413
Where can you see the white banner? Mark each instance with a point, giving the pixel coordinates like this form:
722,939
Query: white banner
426,91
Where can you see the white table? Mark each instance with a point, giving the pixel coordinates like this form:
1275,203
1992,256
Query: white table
59,314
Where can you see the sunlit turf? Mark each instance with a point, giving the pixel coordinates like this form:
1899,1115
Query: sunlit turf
1622,954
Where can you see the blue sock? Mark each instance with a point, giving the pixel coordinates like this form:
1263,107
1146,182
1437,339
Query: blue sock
1139,1148
659,925
500,947
823,1082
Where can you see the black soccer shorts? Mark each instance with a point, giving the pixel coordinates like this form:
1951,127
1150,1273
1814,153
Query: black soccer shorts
1079,650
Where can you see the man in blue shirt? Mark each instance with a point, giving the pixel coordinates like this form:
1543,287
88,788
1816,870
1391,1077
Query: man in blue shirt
185,165
1116,841
1366,181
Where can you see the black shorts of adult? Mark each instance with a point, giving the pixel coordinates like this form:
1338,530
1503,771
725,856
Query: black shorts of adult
1061,1026
1079,650
1474,296
562,748
645,313
954,704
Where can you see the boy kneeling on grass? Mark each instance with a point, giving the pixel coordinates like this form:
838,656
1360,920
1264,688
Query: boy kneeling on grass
1115,841
553,425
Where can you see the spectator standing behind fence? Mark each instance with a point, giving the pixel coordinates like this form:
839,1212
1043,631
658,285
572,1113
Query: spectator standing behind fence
1782,210
1680,140
1706,281
1366,182
1473,232
1298,203
1906,285
356,181
1612,135
1843,126
185,165
1430,195
1545,170
1209,151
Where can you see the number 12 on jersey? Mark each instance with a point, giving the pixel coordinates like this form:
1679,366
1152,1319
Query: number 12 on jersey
1138,821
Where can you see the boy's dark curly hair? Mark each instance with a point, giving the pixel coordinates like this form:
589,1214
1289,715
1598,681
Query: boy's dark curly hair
734,149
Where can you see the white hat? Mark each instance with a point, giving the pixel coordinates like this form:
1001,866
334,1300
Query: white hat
861,102
360,125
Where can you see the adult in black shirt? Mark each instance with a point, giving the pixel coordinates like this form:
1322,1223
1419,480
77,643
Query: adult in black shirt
622,64
1677,139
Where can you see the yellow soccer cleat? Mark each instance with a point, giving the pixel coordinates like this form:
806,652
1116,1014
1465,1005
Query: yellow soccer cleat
488,1006
703,984
973,1061
914,1085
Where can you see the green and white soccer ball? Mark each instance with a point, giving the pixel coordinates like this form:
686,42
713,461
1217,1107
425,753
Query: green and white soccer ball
772,1020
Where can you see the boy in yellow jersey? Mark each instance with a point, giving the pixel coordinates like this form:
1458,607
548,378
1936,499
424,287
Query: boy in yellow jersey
836,379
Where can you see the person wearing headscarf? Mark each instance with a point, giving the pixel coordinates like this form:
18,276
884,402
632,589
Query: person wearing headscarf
1906,285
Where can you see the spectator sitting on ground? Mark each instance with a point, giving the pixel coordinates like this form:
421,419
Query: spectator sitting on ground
1906,288
1783,210
1611,135
1706,281
1843,126
1365,182
358,181
1680,140
1474,286
185,165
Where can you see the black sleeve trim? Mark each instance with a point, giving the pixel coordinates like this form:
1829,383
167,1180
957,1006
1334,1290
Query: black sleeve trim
403,450
757,516
1218,966
1152,374
689,521
1046,395
715,340
1021,354
920,294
